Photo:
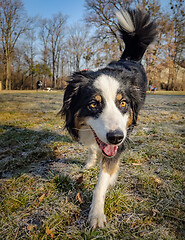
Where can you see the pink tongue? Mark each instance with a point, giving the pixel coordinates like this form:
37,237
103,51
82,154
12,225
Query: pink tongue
109,150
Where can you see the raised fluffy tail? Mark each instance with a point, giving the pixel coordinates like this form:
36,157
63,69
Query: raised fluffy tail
137,31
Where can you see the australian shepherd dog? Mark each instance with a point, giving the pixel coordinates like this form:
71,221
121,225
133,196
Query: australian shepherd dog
101,107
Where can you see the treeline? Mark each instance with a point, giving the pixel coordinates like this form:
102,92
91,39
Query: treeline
33,49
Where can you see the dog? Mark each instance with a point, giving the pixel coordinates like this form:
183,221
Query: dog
101,107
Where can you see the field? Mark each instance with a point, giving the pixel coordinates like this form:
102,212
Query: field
46,194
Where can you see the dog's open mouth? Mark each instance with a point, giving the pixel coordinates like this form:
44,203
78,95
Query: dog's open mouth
108,150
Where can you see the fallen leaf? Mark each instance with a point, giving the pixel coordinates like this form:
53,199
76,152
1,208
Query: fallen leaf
79,197
49,232
133,225
137,164
42,197
55,148
157,180
30,227
79,180
52,235
139,199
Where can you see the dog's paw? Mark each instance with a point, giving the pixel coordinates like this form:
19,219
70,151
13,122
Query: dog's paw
97,220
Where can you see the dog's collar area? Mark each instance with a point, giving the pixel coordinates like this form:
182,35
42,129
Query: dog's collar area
107,150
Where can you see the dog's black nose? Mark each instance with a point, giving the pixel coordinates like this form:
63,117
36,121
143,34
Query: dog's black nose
115,137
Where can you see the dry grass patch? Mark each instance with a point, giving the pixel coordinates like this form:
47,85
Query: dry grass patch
46,194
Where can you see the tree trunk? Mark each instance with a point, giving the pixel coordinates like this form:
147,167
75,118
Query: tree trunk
54,80
8,73
45,64
32,79
53,77
77,64
22,82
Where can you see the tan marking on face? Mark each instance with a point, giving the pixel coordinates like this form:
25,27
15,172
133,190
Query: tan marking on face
119,96
98,98
79,122
130,120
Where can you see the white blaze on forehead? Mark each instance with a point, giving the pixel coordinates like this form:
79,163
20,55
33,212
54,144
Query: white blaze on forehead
111,118
108,85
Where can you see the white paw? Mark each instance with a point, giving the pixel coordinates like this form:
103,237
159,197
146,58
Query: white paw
97,220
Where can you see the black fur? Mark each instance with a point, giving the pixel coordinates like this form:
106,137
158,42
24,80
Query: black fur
127,70
137,42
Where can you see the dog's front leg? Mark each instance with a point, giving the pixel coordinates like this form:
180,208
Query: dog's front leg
92,156
96,214
107,176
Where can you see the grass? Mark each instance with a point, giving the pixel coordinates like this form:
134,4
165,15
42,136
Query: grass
162,92
46,194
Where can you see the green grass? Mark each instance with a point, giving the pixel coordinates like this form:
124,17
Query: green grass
46,194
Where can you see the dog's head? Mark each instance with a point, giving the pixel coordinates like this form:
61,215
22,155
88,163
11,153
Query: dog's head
104,105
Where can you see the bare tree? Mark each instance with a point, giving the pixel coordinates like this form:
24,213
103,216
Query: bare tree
79,46
13,23
55,27
29,54
178,18
101,13
18,66
168,54
44,37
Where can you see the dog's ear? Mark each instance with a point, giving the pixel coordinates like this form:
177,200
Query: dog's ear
70,102
135,111
137,93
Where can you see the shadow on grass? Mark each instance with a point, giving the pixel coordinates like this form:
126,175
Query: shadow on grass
25,153
23,149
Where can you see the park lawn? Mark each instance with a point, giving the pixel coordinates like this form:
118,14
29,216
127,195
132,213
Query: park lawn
162,92
46,194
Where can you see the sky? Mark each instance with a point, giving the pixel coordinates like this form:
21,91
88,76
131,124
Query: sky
74,9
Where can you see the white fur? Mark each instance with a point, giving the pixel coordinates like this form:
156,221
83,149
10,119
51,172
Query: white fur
86,136
113,178
111,118
125,21
96,214
92,156
108,86
97,217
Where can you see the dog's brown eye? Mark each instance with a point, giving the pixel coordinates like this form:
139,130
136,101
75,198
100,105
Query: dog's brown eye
93,105
123,103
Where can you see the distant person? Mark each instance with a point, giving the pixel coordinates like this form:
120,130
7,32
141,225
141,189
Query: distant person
39,84
152,89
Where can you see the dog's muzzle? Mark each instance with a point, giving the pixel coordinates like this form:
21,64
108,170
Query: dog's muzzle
114,138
